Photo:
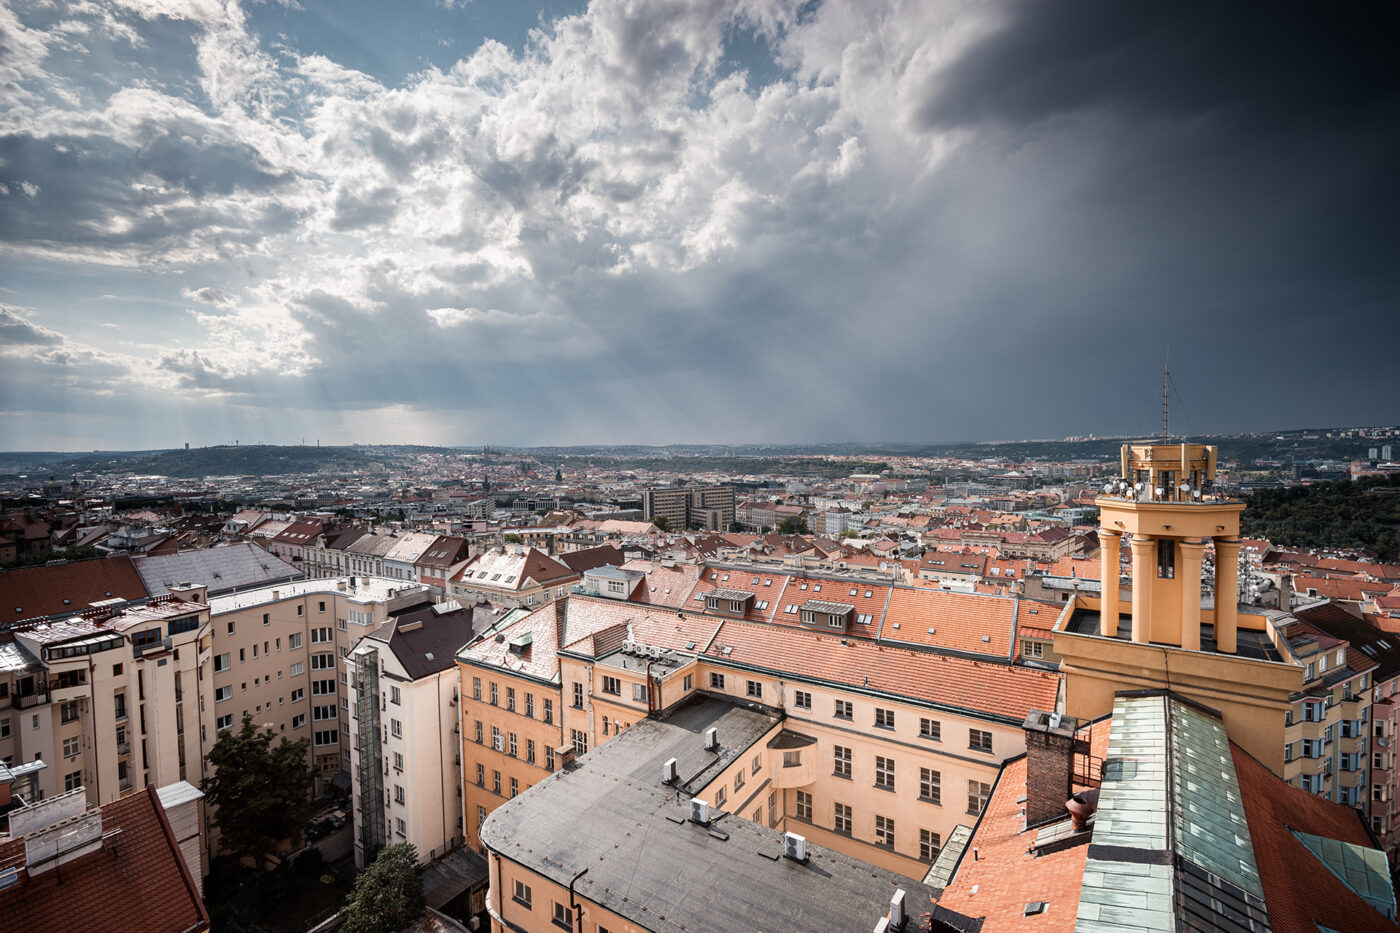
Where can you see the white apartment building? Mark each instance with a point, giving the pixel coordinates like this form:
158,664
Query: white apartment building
406,747
110,700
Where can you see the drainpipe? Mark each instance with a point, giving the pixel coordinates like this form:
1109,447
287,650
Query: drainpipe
650,702
576,907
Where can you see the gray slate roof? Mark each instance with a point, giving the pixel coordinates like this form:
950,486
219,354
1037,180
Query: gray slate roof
223,569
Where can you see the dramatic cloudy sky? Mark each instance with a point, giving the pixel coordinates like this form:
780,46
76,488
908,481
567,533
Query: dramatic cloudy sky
692,220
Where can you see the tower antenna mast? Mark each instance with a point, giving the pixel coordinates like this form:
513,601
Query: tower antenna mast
1166,375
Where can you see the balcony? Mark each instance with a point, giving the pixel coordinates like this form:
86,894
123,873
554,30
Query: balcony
123,748
29,701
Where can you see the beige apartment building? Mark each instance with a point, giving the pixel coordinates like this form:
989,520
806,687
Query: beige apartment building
877,752
511,576
108,700
277,656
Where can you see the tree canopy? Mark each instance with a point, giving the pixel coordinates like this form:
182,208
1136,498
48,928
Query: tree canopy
793,525
259,791
1339,514
388,895
662,522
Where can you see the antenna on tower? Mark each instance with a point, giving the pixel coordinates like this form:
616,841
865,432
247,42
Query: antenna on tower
1166,398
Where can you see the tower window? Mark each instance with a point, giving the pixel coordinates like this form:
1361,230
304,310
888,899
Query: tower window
1166,559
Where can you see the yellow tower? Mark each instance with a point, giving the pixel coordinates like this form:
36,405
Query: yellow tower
1166,502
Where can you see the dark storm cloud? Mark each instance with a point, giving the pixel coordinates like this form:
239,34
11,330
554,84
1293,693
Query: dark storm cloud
1265,65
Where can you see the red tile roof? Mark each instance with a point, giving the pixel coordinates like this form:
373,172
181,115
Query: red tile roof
136,883
1301,892
1005,876
959,620
980,686
34,592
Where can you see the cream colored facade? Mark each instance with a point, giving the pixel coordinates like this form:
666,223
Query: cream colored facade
277,652
1328,740
110,701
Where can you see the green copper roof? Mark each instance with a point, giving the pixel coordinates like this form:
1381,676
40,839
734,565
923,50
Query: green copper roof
1362,869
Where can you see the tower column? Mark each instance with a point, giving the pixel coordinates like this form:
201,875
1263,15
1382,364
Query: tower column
1144,569
1109,545
1189,579
1227,593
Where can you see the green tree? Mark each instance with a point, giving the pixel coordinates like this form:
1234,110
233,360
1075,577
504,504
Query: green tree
848,533
661,522
388,895
259,792
514,539
793,525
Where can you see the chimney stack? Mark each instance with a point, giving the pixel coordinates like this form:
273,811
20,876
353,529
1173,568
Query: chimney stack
1049,765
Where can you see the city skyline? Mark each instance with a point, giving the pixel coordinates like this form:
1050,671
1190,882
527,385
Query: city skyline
664,223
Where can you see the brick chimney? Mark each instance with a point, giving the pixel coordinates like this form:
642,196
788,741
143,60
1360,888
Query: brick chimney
561,619
1049,765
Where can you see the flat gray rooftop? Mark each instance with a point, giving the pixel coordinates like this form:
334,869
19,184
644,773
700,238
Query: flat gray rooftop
610,814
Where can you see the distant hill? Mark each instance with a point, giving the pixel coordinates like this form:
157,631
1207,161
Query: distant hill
251,459
1342,514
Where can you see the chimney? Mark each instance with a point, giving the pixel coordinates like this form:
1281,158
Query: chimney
561,619
1049,765
1285,592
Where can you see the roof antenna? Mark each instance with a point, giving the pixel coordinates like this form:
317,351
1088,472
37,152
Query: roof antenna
1166,376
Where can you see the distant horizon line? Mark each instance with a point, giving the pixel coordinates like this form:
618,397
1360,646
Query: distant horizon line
1069,439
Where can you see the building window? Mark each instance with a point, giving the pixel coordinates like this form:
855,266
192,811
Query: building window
321,635
511,749
844,710
548,710
802,700
842,762
73,781
931,786
398,761
510,699
884,719
884,772
1166,559
476,688
530,751
71,747
514,787
977,794
296,670
792,759
738,780
299,720
884,832
399,795
931,729
639,693
716,681
323,662
223,693
1032,649
804,806
580,742
612,686
549,757
561,916
842,820
221,662
754,689
395,696
496,781
294,641
929,845
396,728
322,713
720,797
689,683
327,737
480,775
979,740
495,698
578,696
520,893
530,705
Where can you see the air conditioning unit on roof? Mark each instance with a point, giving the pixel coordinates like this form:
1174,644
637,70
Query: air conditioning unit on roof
795,847
700,812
